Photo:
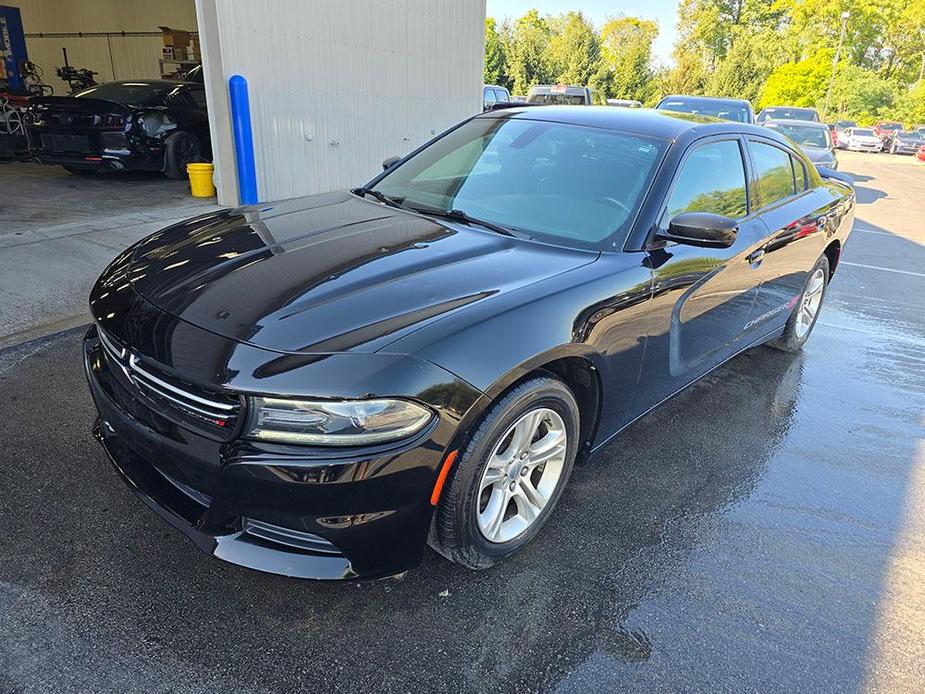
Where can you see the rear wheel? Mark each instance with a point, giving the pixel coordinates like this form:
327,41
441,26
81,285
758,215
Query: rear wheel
806,311
181,148
509,476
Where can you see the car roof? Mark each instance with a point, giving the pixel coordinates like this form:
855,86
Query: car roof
162,84
707,99
549,87
794,121
642,121
795,108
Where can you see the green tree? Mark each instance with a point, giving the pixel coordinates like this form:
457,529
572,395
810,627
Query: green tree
861,95
573,51
910,106
626,66
528,63
495,60
801,83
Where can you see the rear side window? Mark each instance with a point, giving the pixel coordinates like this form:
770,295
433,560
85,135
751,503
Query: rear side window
712,179
773,171
799,174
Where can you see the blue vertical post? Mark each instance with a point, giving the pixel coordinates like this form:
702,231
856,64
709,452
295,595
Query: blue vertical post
243,140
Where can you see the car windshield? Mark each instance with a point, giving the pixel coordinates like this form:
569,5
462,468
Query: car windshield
891,126
863,132
803,134
726,111
131,93
557,99
788,114
910,137
568,184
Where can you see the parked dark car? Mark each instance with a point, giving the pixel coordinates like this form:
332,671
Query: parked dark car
493,94
904,142
320,387
787,113
738,110
815,139
144,125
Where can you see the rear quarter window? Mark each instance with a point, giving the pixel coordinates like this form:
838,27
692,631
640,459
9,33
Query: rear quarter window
773,173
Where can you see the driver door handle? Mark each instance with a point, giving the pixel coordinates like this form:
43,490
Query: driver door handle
755,257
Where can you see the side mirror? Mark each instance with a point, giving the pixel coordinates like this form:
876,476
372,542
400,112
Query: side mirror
702,229
390,162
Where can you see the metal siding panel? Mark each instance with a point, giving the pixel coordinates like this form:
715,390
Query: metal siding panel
378,77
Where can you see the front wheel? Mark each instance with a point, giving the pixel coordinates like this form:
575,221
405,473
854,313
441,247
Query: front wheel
806,310
509,476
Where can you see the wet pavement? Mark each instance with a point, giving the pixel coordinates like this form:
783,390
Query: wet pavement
764,531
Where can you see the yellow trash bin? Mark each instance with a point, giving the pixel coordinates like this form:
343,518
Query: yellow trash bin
200,180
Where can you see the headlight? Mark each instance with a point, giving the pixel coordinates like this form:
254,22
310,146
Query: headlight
329,423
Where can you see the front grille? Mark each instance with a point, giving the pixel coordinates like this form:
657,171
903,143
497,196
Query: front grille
287,536
216,410
57,142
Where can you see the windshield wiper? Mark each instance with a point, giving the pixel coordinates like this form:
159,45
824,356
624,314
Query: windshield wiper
381,197
465,218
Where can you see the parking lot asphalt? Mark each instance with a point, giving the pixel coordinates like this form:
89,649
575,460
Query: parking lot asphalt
765,530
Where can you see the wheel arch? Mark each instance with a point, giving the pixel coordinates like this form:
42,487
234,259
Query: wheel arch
833,253
574,365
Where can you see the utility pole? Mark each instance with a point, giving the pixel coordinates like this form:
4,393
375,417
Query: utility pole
841,39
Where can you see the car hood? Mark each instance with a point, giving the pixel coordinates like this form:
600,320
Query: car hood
816,154
330,273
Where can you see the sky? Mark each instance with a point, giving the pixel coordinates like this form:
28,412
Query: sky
665,12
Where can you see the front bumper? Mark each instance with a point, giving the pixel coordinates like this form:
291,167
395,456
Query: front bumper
864,147
290,510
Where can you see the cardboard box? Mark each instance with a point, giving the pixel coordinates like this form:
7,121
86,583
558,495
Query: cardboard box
175,37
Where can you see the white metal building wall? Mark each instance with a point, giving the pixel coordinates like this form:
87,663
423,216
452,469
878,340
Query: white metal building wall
131,57
338,85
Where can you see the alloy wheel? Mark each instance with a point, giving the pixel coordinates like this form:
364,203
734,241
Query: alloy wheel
522,474
809,305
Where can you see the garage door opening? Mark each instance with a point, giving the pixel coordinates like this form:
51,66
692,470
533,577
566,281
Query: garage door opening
102,106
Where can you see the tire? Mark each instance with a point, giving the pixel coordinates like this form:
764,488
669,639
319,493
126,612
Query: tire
458,530
797,331
180,149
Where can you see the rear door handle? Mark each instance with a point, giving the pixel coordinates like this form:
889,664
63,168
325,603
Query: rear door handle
755,257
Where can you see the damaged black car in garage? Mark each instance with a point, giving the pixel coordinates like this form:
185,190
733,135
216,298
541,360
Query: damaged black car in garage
142,125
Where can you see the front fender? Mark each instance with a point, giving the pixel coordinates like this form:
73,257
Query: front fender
596,313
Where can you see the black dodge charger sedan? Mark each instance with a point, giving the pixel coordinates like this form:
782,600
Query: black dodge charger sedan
321,387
